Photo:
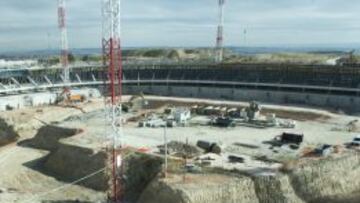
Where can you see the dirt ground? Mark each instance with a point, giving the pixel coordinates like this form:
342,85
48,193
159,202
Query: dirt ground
20,180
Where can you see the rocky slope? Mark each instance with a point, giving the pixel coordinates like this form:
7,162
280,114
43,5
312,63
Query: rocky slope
330,180
7,133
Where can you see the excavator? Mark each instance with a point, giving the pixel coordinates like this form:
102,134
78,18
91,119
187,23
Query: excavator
136,102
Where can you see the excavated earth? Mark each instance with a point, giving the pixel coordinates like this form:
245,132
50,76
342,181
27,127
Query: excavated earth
71,148
331,180
71,162
77,150
7,133
22,172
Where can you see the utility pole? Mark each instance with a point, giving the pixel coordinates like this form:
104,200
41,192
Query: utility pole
245,37
48,48
112,61
220,33
64,40
166,151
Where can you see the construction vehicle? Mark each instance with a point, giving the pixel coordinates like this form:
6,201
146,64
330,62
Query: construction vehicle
69,100
66,97
291,138
356,141
136,103
223,122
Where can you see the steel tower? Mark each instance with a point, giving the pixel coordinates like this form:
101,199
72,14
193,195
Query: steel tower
220,31
113,73
64,40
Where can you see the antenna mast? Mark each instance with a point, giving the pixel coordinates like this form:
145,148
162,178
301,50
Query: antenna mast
113,73
64,40
220,31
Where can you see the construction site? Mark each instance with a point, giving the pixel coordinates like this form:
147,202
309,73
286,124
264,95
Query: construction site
139,131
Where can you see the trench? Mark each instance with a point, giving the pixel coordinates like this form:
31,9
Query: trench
331,180
68,163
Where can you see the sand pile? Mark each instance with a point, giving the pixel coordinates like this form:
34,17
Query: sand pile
181,149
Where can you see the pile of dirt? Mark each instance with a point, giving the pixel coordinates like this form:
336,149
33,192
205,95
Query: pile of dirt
280,113
330,180
181,149
197,188
69,163
84,117
353,126
140,170
7,133
47,137
296,115
277,189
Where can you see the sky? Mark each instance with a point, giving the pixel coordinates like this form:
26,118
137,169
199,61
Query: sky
32,25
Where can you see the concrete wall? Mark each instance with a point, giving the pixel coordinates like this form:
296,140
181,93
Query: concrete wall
346,103
27,100
42,98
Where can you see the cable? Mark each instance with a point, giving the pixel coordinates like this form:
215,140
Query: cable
72,183
67,185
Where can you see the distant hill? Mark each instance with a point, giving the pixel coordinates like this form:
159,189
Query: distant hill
292,55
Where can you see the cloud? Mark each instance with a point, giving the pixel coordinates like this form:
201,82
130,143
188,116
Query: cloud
26,25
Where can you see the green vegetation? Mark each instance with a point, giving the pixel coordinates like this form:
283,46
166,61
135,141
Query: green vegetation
207,55
155,53
289,58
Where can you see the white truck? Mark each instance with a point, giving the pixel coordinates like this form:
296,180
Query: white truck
356,141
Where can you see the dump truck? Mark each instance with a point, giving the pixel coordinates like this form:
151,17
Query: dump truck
76,98
66,97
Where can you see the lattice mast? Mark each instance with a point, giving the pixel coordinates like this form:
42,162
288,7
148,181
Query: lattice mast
220,33
64,40
113,84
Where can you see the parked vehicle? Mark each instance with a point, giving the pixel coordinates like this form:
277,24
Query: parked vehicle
356,141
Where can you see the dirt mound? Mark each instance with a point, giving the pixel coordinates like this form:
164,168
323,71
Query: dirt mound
181,149
7,133
140,170
69,163
353,126
198,188
329,180
47,138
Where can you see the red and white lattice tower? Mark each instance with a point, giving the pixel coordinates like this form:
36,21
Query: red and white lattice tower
113,84
64,41
220,33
